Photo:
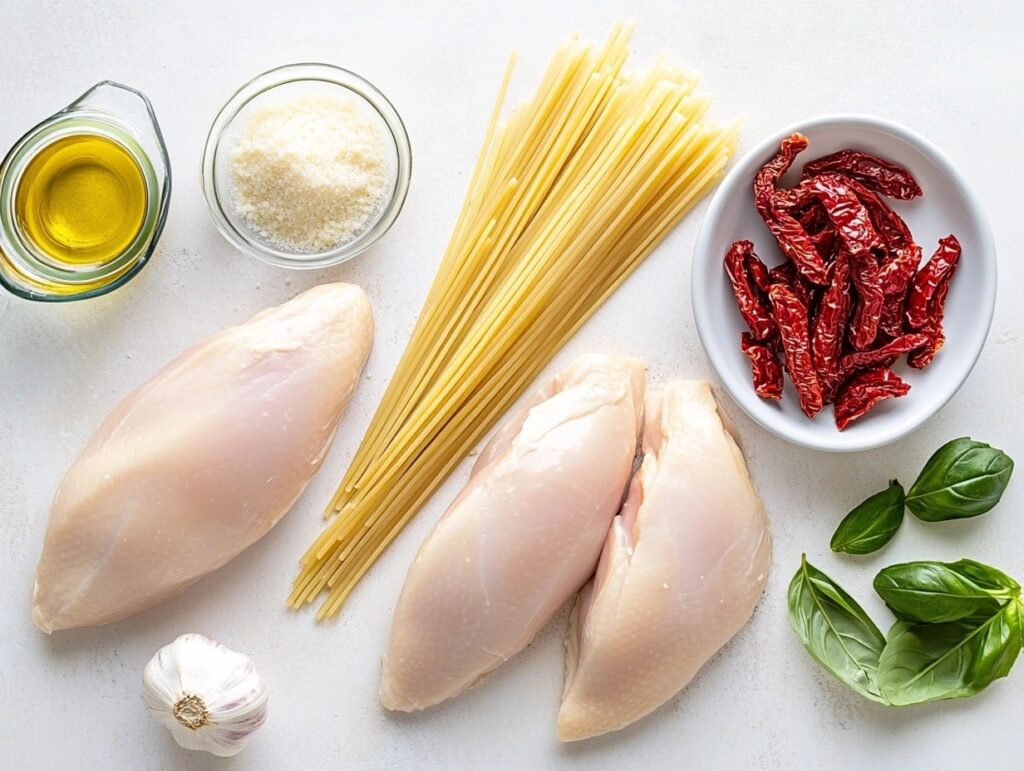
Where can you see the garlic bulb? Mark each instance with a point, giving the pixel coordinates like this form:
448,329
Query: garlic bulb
208,696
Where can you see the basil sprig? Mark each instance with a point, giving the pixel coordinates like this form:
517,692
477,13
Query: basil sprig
872,524
964,478
937,592
835,630
929,662
960,628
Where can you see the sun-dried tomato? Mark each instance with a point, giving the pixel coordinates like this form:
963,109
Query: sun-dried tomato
864,391
765,367
753,307
895,274
801,201
851,299
794,328
885,177
826,243
922,357
787,275
783,273
767,178
811,215
937,271
798,246
889,224
867,314
830,328
884,354
787,230
891,323
937,308
758,272
848,215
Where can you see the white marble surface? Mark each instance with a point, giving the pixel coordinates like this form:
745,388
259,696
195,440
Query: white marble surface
952,71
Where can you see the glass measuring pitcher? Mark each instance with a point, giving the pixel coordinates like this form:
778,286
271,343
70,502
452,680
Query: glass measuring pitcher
83,197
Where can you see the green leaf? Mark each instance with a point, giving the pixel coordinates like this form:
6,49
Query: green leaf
939,592
964,478
835,630
872,524
928,662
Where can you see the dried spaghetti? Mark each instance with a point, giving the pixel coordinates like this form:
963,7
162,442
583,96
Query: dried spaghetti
567,198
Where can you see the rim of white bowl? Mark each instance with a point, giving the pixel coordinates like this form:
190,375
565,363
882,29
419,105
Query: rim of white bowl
703,262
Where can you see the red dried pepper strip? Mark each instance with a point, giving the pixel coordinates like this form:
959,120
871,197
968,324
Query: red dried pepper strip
753,307
891,323
937,337
884,354
765,367
864,391
830,328
889,224
868,313
794,327
825,242
798,246
786,274
767,178
938,270
758,272
801,201
848,215
860,242
787,230
812,216
895,274
922,357
884,176
813,219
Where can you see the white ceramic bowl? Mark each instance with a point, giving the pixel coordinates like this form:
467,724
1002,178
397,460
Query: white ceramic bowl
948,206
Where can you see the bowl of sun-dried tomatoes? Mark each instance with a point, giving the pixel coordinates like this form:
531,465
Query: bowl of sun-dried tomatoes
844,282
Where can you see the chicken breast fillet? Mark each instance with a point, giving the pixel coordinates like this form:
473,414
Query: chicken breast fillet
683,567
521,538
202,460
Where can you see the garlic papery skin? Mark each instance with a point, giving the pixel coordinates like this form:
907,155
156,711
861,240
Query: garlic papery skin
208,696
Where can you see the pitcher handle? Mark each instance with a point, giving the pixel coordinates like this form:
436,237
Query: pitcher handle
133,108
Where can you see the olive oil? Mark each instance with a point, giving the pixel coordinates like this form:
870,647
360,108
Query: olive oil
81,200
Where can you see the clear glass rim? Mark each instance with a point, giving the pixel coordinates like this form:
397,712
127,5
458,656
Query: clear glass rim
294,73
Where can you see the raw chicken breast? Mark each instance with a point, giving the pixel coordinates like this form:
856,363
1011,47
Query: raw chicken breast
201,461
682,569
521,538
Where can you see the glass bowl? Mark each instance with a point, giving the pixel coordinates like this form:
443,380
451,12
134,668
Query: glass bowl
295,80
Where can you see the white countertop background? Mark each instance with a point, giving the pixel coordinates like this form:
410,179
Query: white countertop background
952,71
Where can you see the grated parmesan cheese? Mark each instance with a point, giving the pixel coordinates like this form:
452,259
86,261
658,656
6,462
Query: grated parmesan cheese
310,173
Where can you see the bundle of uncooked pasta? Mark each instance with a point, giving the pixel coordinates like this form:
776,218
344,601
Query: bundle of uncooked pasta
569,195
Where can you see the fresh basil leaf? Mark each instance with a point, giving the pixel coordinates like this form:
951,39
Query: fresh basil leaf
964,478
872,524
835,630
939,592
928,662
